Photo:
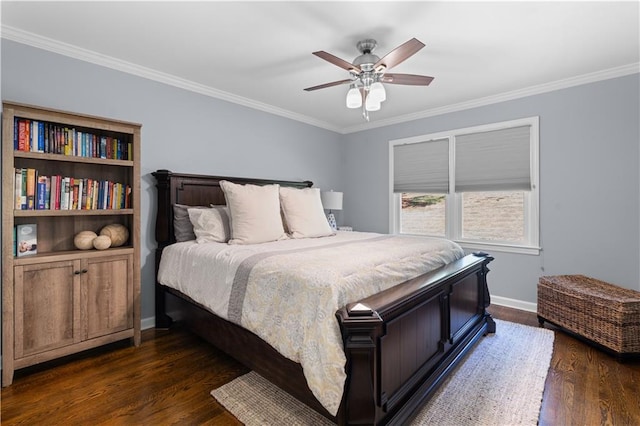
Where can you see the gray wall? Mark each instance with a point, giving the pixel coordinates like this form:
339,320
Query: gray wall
182,131
589,158
589,182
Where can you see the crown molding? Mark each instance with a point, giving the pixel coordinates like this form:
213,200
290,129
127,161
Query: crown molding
72,51
502,97
55,46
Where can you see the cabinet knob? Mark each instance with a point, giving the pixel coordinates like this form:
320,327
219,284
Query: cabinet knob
84,271
76,272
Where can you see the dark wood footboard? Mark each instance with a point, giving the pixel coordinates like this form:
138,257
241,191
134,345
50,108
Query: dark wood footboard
400,344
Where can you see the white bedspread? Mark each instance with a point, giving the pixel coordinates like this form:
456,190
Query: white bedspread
287,292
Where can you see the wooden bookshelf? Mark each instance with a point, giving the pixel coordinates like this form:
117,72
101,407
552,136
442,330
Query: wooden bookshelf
62,300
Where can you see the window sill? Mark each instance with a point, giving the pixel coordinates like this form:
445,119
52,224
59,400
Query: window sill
505,248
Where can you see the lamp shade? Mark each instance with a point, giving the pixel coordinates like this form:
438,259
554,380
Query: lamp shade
331,200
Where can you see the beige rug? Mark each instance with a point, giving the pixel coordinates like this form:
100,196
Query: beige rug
499,383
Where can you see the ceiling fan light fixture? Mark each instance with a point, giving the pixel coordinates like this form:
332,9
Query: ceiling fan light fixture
354,98
377,92
368,71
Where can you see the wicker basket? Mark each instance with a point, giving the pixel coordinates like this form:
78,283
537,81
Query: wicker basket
598,311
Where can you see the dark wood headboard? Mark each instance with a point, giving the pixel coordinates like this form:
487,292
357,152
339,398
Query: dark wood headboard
195,190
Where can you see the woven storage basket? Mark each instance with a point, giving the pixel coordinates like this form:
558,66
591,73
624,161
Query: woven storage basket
598,311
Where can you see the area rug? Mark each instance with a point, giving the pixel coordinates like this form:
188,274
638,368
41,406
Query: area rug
499,383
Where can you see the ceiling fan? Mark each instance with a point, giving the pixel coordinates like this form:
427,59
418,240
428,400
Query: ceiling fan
368,72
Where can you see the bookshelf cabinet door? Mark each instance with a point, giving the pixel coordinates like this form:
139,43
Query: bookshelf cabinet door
107,293
47,308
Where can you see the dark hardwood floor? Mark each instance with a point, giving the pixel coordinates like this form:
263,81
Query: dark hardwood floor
168,378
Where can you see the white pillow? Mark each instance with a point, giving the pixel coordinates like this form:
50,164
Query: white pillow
303,213
254,212
210,225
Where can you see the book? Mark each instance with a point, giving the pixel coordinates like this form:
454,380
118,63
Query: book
16,137
33,143
64,193
26,239
56,184
88,195
75,193
41,192
82,194
41,136
23,135
47,194
17,185
23,194
31,189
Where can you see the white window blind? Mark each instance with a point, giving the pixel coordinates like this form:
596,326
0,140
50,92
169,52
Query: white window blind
497,160
421,167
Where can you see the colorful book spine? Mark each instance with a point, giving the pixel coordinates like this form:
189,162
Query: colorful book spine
31,189
17,186
40,125
23,194
33,139
16,137
58,185
41,192
47,193
65,193
23,136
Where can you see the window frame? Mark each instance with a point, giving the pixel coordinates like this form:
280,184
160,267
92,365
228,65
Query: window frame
453,203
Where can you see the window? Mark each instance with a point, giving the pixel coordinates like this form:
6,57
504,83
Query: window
477,186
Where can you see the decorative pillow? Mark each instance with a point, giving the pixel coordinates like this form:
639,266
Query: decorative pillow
182,227
210,225
303,213
254,213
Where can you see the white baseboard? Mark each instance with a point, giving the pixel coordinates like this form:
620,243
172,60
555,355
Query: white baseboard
148,323
514,303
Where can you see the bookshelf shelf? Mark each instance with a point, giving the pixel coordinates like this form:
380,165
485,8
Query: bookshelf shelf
63,173
90,212
72,158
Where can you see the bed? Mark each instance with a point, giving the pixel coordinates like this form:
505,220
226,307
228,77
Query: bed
399,343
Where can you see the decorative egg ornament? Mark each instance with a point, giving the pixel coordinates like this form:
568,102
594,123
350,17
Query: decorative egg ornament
84,240
102,242
119,234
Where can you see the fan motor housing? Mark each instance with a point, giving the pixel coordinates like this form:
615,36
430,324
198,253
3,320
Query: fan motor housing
367,59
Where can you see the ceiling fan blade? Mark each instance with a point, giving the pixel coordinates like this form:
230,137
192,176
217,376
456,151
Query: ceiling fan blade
408,79
399,54
337,61
333,83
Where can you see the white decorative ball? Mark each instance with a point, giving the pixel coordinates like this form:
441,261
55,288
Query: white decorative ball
84,240
119,234
102,242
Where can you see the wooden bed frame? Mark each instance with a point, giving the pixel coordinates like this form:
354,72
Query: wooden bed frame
400,344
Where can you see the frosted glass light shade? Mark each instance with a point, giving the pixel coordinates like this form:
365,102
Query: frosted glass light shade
377,92
371,104
354,98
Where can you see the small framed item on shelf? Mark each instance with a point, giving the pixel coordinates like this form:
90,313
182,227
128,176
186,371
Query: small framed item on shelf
27,239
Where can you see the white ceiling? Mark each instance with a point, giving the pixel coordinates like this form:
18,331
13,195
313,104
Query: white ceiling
259,53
